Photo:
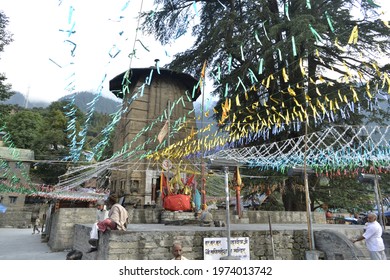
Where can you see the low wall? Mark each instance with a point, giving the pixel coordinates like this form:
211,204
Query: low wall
64,220
154,241
63,224
16,217
156,245
251,217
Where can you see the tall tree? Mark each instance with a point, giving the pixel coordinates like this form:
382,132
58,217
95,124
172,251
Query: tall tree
278,56
5,39
24,127
279,63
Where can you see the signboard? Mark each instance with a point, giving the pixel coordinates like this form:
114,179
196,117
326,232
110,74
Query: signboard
215,248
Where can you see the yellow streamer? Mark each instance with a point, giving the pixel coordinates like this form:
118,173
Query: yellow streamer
338,45
238,101
354,96
336,104
354,36
285,76
318,91
291,91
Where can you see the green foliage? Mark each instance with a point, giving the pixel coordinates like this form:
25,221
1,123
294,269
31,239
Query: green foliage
246,32
345,192
44,130
24,127
5,39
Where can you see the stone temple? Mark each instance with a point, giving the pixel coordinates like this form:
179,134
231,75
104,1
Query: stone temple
149,97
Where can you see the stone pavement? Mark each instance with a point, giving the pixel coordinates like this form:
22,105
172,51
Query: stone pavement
20,244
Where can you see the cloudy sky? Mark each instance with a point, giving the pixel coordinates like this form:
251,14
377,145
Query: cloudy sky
39,62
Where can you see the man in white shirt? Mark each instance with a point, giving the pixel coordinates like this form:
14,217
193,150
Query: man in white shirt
373,238
177,252
101,215
101,211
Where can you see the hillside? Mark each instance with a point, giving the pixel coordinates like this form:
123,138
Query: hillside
103,105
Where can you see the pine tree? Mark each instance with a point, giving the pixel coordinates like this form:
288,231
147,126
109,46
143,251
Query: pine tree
280,62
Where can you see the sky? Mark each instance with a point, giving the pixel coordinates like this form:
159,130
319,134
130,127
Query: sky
39,62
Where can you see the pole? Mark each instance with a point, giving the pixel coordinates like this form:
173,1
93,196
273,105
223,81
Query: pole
308,214
378,204
307,196
226,169
272,238
203,187
238,201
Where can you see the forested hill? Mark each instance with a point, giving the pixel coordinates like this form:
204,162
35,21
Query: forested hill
103,105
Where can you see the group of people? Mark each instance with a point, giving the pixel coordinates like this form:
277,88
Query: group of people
114,219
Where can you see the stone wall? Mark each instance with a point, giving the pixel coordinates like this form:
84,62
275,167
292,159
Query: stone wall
16,217
63,223
252,217
64,220
153,242
156,245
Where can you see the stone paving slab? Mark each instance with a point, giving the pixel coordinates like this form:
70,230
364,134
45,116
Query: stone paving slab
20,244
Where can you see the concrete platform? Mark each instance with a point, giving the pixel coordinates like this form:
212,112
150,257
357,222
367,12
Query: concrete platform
20,244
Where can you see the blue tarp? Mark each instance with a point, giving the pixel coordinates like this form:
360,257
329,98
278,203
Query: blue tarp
2,208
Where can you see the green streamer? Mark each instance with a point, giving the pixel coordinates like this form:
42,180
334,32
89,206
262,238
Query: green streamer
293,46
286,10
265,31
373,4
242,53
226,90
315,33
257,38
252,76
329,21
260,71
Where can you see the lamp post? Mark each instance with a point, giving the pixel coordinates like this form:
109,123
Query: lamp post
305,171
374,180
224,166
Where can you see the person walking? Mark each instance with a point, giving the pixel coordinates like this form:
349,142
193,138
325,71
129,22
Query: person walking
36,225
373,237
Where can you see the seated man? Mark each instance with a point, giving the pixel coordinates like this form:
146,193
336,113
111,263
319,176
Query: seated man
177,251
117,220
329,217
206,218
